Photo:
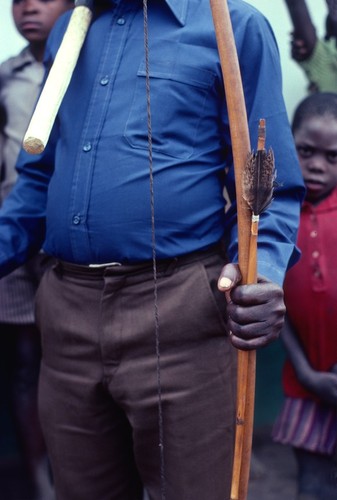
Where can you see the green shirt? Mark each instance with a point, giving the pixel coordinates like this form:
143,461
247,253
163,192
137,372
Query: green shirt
321,67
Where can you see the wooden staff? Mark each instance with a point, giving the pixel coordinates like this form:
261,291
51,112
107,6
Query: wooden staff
241,148
59,77
254,188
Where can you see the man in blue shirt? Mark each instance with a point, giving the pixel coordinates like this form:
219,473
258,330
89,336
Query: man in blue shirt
137,379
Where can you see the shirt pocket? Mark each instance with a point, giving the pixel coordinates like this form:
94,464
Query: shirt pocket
178,96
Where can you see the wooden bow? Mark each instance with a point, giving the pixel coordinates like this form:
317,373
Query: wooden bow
241,148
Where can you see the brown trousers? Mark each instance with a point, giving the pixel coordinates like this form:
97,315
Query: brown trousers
99,381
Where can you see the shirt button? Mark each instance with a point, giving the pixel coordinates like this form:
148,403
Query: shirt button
76,219
315,254
87,147
313,234
104,80
121,21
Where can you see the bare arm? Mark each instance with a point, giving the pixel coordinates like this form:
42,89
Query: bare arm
295,352
304,34
323,384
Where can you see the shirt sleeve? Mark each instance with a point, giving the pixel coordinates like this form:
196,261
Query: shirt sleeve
23,213
321,67
22,216
262,83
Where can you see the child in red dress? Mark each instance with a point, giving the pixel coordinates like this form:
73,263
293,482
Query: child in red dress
308,421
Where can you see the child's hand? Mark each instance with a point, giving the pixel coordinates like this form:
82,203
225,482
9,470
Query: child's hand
334,369
324,385
255,312
299,50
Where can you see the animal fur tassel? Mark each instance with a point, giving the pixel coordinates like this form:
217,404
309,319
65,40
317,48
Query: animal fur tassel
258,180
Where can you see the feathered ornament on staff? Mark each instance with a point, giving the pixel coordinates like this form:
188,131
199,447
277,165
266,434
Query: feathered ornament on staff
258,181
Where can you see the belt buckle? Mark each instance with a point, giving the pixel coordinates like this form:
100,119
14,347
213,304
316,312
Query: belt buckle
107,264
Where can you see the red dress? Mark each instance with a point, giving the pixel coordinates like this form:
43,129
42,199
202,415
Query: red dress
311,298
311,291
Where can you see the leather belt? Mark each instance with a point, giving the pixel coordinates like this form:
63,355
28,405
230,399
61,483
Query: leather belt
126,268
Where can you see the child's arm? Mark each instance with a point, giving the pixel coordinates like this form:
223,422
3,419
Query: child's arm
323,384
331,20
304,36
296,353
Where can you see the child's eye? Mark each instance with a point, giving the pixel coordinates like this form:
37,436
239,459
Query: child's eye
305,151
332,156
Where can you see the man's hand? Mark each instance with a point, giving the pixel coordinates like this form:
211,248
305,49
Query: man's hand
255,312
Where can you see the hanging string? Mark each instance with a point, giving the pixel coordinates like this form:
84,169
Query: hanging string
154,256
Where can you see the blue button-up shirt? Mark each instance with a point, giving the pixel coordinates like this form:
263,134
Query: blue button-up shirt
88,195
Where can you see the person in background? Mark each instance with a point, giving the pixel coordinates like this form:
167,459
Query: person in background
20,83
317,57
142,312
308,420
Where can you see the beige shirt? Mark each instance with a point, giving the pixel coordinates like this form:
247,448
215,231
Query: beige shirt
20,83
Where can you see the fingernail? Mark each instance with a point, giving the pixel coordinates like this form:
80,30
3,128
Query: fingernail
225,283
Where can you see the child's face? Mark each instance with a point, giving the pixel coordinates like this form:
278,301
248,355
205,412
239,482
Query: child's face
35,18
316,144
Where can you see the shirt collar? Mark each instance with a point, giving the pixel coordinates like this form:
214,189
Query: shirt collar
329,203
24,58
179,9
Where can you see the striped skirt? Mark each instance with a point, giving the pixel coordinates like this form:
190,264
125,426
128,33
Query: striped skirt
307,425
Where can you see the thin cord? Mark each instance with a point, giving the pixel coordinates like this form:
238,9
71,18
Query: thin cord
154,256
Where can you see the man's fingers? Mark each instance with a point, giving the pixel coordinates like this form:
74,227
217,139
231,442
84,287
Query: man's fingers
249,345
262,292
229,277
